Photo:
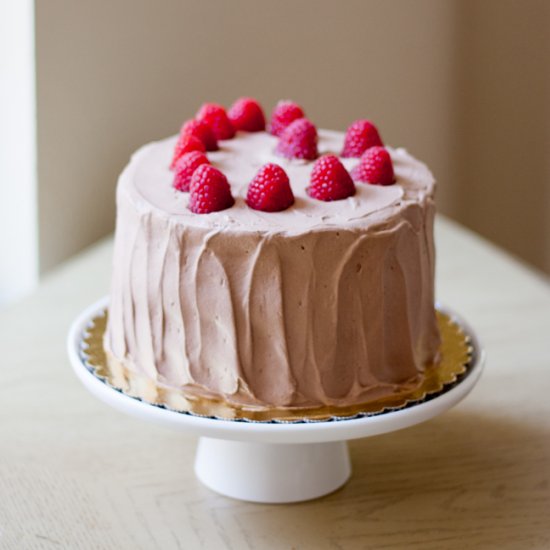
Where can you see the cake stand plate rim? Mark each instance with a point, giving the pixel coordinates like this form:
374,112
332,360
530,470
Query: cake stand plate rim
279,432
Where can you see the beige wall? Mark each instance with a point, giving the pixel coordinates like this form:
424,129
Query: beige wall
114,75
504,131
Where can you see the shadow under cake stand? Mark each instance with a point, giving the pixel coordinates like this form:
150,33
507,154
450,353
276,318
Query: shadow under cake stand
272,462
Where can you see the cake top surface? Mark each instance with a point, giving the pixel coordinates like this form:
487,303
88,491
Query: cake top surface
149,180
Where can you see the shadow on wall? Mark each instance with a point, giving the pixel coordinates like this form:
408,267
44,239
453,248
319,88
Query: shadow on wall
503,86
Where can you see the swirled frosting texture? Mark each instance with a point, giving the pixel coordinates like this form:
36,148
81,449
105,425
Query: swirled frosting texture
324,303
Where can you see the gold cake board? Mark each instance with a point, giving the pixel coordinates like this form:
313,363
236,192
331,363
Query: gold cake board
456,358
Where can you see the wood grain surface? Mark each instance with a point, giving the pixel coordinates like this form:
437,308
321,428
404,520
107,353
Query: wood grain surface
75,474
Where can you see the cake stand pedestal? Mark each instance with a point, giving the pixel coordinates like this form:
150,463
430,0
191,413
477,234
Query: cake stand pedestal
272,462
272,472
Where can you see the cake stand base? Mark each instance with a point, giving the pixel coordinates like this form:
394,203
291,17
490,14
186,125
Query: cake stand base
272,473
271,462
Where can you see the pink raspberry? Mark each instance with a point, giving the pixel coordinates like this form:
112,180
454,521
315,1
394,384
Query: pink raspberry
298,141
375,167
270,190
185,144
330,181
360,135
215,116
201,131
185,168
209,191
246,114
284,113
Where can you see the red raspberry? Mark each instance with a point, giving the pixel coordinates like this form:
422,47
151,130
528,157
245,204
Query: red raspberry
298,141
185,144
284,113
215,116
201,131
361,135
185,168
375,167
270,190
247,115
330,181
209,191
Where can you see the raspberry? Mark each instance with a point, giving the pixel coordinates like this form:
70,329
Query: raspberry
361,135
201,131
215,116
247,115
298,141
284,113
270,190
185,168
209,191
185,144
330,181
375,167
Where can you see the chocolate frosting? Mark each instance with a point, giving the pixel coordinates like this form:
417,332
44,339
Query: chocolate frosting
323,303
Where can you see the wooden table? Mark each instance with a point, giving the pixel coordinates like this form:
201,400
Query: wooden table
76,474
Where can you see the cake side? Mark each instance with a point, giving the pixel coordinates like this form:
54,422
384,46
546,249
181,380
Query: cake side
324,303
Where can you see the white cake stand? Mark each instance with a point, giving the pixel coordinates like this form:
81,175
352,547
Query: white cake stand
271,462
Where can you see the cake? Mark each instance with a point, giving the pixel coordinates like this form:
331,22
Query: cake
323,297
